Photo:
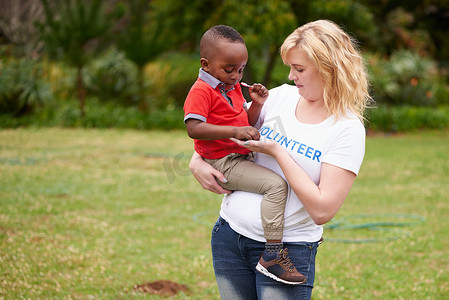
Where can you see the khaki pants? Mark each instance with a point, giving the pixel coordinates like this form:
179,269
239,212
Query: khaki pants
244,175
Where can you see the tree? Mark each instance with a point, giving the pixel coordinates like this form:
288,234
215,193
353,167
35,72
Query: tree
354,16
142,39
420,25
263,25
17,19
75,31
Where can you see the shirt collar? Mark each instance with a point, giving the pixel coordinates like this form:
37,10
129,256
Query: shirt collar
212,81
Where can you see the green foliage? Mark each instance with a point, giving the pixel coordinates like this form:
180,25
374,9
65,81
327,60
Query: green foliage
142,40
354,16
420,26
98,115
75,31
186,21
407,118
263,35
406,78
22,88
112,77
180,72
263,25
112,114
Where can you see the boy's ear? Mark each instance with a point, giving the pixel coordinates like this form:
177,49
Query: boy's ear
204,64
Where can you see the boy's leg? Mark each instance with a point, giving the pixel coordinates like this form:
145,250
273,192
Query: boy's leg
244,175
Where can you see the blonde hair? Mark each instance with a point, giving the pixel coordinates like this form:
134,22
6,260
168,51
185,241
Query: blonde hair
339,62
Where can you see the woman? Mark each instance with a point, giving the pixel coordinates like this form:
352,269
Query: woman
312,134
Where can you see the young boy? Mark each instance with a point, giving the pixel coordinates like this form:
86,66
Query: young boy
215,110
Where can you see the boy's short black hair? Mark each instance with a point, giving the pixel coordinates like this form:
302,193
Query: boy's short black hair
220,32
226,32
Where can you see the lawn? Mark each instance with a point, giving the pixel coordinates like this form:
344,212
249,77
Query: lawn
90,214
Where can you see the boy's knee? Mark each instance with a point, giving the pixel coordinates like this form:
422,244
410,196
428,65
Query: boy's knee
279,186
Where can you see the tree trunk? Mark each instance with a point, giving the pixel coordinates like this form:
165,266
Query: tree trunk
141,89
248,78
81,91
272,59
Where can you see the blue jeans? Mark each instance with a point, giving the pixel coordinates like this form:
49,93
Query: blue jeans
235,258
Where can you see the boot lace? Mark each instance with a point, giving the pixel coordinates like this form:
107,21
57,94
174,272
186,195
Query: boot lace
284,260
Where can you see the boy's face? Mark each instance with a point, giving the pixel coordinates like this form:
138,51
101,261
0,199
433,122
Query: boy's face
227,62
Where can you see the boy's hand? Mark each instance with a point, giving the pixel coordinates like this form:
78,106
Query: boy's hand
258,93
246,133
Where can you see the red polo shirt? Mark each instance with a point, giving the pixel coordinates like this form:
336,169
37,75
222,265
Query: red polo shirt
208,105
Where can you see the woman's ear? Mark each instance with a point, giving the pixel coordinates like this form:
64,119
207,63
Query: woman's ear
204,64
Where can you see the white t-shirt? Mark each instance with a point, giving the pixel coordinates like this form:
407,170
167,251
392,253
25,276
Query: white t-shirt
340,143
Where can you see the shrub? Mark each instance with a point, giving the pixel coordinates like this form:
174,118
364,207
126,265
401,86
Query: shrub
22,88
65,113
113,115
407,118
172,77
112,77
407,79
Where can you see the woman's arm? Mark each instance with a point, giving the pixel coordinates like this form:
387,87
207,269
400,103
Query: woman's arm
206,175
322,201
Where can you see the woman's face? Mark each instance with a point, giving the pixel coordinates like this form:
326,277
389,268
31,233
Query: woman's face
305,75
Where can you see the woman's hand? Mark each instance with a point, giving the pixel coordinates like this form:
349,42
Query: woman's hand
206,175
266,146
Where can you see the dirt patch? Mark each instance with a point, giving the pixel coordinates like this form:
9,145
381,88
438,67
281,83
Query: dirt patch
161,287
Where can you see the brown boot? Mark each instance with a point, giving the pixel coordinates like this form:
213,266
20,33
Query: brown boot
279,267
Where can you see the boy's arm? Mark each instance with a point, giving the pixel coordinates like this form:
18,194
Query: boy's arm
200,130
253,112
259,94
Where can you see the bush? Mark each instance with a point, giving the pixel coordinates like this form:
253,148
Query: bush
98,115
180,71
407,79
113,115
112,77
22,88
167,81
407,118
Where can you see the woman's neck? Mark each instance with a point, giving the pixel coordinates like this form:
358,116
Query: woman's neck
311,112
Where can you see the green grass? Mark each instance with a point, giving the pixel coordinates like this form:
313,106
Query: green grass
88,213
